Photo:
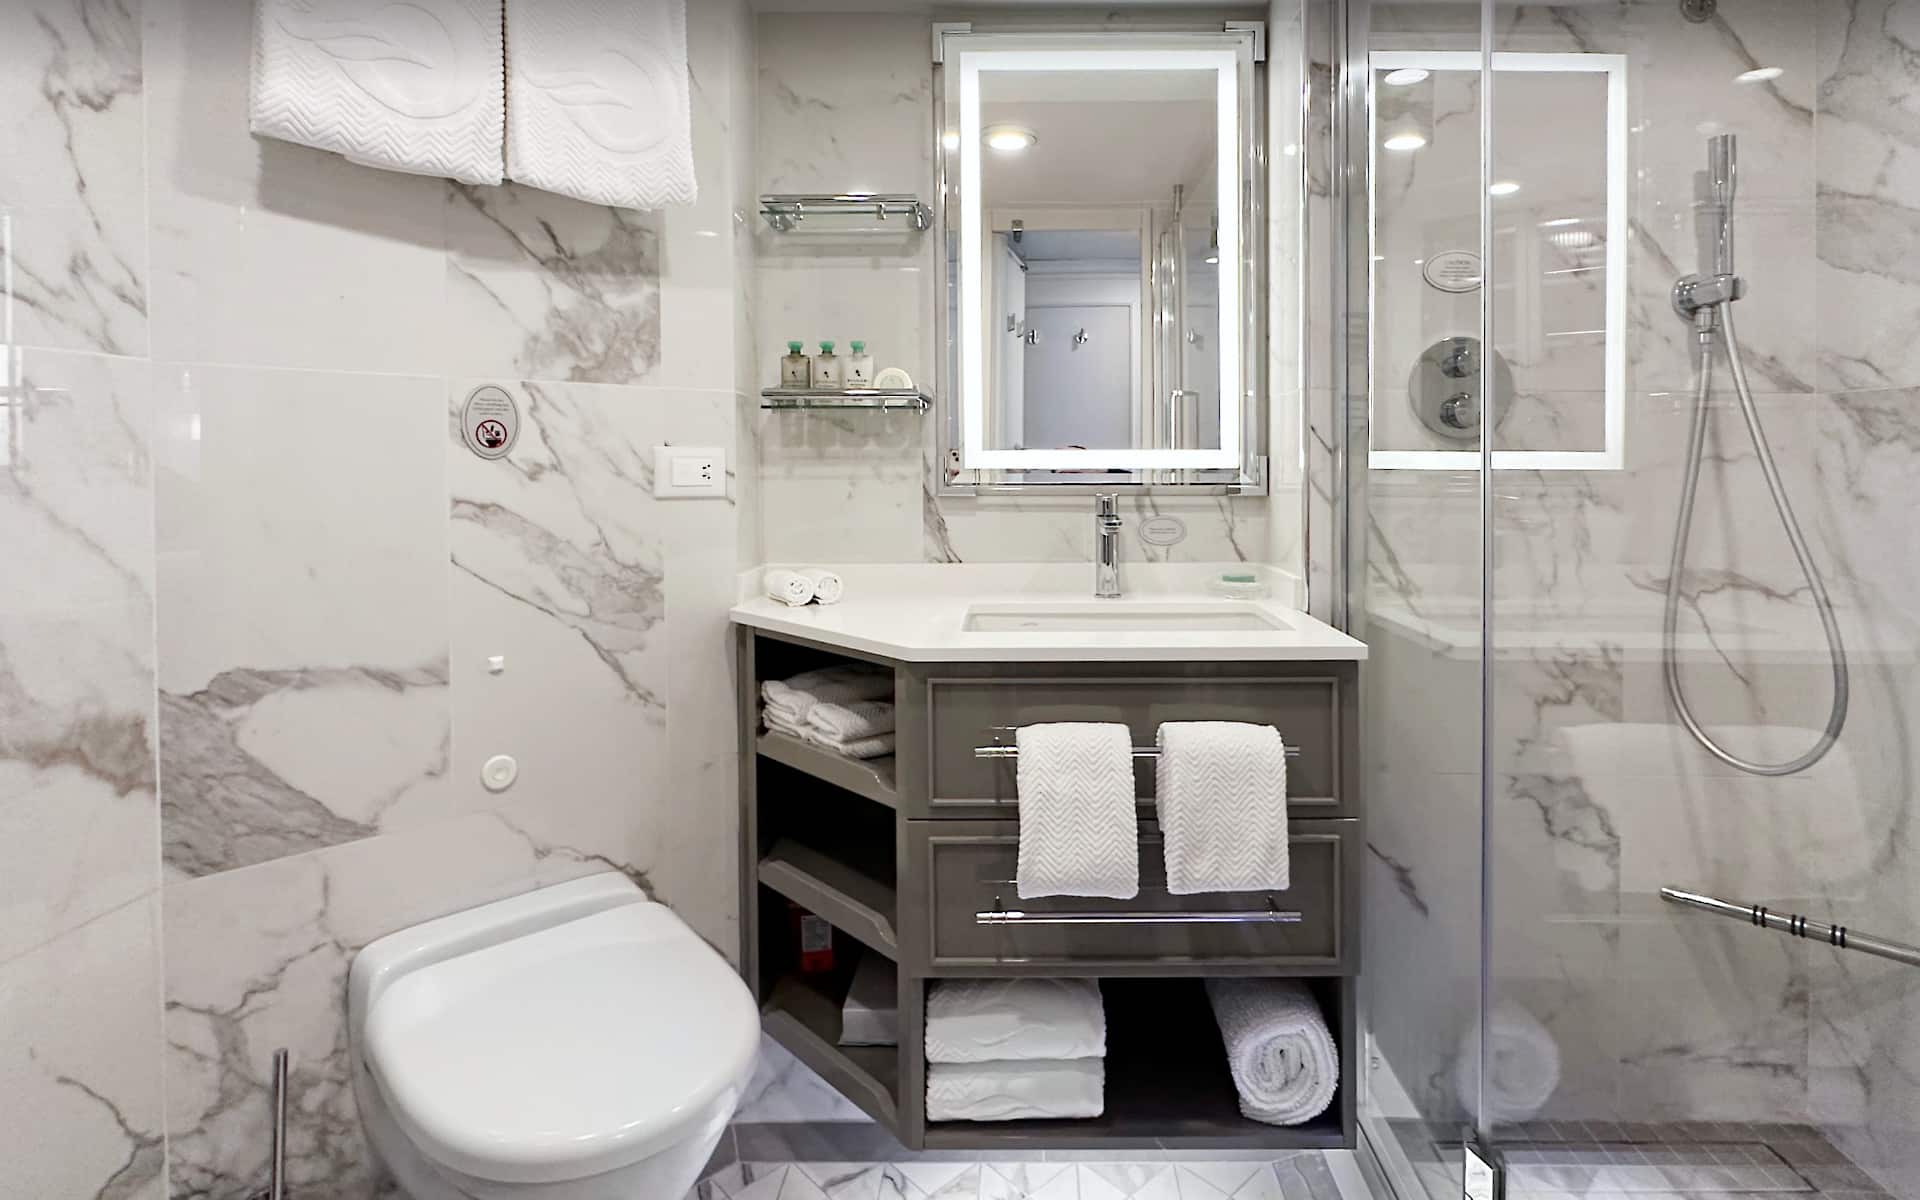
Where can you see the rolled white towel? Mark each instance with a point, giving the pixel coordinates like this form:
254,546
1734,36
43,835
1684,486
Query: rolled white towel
851,722
1014,1091
828,587
1523,1068
1281,1053
790,588
1015,1020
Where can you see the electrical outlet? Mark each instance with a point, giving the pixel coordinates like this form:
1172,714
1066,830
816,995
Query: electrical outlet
689,472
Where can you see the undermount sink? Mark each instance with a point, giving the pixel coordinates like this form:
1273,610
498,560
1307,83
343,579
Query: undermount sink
1113,616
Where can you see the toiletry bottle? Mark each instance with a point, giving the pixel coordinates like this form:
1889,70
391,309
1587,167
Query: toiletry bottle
796,370
859,367
826,369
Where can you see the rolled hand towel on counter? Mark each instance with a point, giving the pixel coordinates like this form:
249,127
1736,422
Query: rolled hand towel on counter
1006,1020
1014,1091
1078,835
1221,791
1282,1055
828,587
790,588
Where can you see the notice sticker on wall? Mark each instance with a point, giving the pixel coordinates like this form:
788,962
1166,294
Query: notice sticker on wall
490,421
1453,271
1163,531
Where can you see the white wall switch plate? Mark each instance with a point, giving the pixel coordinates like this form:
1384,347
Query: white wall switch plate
689,472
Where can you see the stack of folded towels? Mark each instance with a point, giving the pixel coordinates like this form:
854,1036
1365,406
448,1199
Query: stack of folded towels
846,709
1015,1049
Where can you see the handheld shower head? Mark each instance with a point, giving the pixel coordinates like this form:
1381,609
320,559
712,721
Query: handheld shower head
1722,177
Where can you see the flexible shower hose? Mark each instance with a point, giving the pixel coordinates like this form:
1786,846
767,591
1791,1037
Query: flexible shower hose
1683,527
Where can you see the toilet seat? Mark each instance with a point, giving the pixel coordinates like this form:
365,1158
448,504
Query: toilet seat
565,1053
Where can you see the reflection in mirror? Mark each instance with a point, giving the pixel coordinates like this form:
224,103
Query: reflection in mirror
1090,338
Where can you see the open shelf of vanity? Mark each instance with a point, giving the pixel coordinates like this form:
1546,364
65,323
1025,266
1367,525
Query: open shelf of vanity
903,856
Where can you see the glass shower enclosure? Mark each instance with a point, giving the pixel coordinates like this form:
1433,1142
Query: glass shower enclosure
1637,564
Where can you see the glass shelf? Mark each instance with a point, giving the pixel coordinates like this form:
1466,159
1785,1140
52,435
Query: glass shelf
907,399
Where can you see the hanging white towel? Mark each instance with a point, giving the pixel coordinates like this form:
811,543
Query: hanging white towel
1281,1053
404,87
1013,1091
1007,1020
1078,835
598,100
1221,791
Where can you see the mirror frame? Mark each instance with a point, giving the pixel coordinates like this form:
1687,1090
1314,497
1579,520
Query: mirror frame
1239,465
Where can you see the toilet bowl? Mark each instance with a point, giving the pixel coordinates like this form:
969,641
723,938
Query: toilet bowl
575,1043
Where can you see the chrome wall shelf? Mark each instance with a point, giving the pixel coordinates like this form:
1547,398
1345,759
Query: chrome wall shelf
854,212
901,399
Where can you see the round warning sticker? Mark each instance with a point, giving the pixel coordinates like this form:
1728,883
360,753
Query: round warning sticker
490,421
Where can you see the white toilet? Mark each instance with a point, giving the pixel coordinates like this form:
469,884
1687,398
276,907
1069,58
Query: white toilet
576,1043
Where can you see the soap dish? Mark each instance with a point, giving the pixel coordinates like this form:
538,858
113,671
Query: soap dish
1237,585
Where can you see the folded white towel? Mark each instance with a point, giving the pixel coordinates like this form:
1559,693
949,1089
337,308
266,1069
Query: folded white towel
1221,791
790,588
1078,835
1282,1055
1015,1020
871,1014
1013,1091
877,746
790,700
598,99
404,87
1523,1067
828,587
850,722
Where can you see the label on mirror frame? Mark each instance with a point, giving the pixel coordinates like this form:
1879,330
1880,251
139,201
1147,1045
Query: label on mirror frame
490,421
1453,271
1163,531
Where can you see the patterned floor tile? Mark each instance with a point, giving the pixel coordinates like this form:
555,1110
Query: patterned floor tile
941,1179
1127,1181
1206,1181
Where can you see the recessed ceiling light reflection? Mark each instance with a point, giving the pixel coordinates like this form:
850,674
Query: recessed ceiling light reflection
1404,77
1010,139
1759,75
1506,187
950,139
1404,141
1559,222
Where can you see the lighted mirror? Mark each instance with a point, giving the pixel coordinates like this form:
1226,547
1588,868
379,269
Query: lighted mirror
1103,300
1553,389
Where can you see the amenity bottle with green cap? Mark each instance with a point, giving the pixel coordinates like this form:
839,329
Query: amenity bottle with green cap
859,367
826,369
796,369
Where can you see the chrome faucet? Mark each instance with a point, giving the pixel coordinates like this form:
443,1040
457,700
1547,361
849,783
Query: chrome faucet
1106,546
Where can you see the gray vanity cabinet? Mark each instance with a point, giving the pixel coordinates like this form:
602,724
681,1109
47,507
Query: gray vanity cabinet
913,858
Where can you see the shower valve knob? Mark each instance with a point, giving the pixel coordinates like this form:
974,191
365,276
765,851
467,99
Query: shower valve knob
1460,410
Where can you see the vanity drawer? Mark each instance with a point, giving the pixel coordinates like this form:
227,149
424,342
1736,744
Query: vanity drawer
963,713
962,869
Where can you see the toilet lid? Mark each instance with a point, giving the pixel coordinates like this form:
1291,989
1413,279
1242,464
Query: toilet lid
568,1052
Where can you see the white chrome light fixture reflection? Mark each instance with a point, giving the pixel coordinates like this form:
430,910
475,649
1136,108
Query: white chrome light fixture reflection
1010,139
1759,75
950,139
1404,142
1505,187
1404,77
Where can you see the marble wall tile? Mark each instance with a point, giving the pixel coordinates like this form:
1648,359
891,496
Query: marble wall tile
303,584
73,223
270,254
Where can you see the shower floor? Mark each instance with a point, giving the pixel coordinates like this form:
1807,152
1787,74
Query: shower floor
1599,1159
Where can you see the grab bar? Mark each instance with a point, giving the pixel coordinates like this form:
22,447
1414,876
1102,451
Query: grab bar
1834,935
1272,915
1002,751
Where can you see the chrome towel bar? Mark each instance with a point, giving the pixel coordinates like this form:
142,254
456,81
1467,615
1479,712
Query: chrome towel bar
1271,915
1834,935
999,750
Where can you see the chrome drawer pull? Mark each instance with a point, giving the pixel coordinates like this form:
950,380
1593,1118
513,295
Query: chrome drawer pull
998,750
1271,915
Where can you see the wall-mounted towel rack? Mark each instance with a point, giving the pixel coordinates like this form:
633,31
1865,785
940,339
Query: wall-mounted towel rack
1271,915
1834,935
1000,750
786,212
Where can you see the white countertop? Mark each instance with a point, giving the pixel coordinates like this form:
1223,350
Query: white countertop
917,612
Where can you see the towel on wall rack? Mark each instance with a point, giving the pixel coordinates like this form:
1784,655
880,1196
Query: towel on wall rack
1078,835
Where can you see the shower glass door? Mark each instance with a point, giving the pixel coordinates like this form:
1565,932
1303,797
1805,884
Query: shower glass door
1529,407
